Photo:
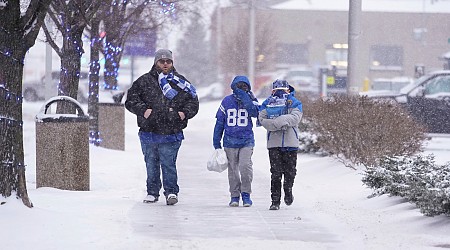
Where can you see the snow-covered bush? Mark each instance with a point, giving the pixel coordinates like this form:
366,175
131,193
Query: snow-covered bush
308,140
308,143
418,179
359,130
388,178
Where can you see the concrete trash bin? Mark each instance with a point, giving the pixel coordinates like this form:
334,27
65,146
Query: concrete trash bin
62,148
111,125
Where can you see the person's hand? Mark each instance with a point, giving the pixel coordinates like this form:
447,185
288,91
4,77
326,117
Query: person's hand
241,94
182,115
147,113
279,123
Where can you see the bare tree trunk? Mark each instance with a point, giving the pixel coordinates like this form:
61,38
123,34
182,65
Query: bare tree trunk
18,32
70,69
112,64
12,166
113,55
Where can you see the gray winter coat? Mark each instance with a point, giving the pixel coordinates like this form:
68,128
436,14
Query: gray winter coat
282,131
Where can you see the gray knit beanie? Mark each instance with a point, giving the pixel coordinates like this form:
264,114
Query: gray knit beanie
163,54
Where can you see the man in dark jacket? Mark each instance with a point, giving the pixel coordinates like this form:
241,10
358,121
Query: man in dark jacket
163,102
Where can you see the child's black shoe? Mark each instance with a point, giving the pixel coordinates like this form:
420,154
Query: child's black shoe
275,205
288,197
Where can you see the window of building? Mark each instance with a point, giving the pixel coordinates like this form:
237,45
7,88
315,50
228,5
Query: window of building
292,53
384,57
336,54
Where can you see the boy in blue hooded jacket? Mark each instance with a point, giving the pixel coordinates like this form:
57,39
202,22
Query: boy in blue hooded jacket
234,124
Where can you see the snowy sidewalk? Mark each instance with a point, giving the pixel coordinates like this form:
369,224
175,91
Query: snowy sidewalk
203,212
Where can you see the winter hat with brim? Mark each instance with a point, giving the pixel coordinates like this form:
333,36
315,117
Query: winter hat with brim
163,54
280,84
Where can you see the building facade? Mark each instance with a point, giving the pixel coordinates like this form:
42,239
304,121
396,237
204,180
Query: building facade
394,39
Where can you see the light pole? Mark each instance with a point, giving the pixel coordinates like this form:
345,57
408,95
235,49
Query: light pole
251,46
219,39
251,37
49,85
354,32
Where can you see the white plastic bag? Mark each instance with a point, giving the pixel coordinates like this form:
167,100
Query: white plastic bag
218,161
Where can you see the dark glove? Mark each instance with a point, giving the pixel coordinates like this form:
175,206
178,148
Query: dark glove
247,101
242,95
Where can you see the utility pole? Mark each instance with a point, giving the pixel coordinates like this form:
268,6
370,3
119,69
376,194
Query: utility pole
354,33
49,85
251,47
48,81
219,38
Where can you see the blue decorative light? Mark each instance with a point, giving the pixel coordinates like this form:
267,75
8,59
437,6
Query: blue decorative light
167,8
94,138
10,122
7,53
10,96
112,52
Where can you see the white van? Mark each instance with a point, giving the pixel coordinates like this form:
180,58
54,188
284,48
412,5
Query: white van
302,79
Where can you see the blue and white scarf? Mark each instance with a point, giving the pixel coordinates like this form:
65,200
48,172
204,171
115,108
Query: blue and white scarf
168,91
276,104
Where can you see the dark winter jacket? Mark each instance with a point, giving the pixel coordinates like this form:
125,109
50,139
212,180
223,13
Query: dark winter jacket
145,93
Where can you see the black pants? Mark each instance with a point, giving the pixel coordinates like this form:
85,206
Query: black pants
282,163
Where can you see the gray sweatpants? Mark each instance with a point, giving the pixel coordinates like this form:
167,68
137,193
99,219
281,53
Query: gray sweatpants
240,170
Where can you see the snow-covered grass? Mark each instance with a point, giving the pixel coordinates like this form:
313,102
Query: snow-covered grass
331,209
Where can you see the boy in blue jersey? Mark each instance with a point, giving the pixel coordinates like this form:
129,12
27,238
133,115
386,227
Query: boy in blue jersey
280,115
234,123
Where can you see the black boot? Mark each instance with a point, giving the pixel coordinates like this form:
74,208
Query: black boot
288,197
275,205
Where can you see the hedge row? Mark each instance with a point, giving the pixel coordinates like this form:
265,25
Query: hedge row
359,130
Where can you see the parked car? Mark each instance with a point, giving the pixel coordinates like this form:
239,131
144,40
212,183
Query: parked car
302,79
427,99
394,84
36,91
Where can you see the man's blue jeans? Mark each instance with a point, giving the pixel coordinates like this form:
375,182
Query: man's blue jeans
161,156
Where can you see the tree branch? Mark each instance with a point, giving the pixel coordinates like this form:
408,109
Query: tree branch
51,41
33,19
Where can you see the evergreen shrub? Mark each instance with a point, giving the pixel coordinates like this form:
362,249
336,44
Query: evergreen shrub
418,179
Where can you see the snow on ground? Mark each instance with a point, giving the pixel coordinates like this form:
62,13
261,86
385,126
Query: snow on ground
331,209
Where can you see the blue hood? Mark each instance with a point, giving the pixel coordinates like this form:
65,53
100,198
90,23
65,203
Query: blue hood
240,79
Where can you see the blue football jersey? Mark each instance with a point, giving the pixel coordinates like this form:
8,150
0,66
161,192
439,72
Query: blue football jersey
237,122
